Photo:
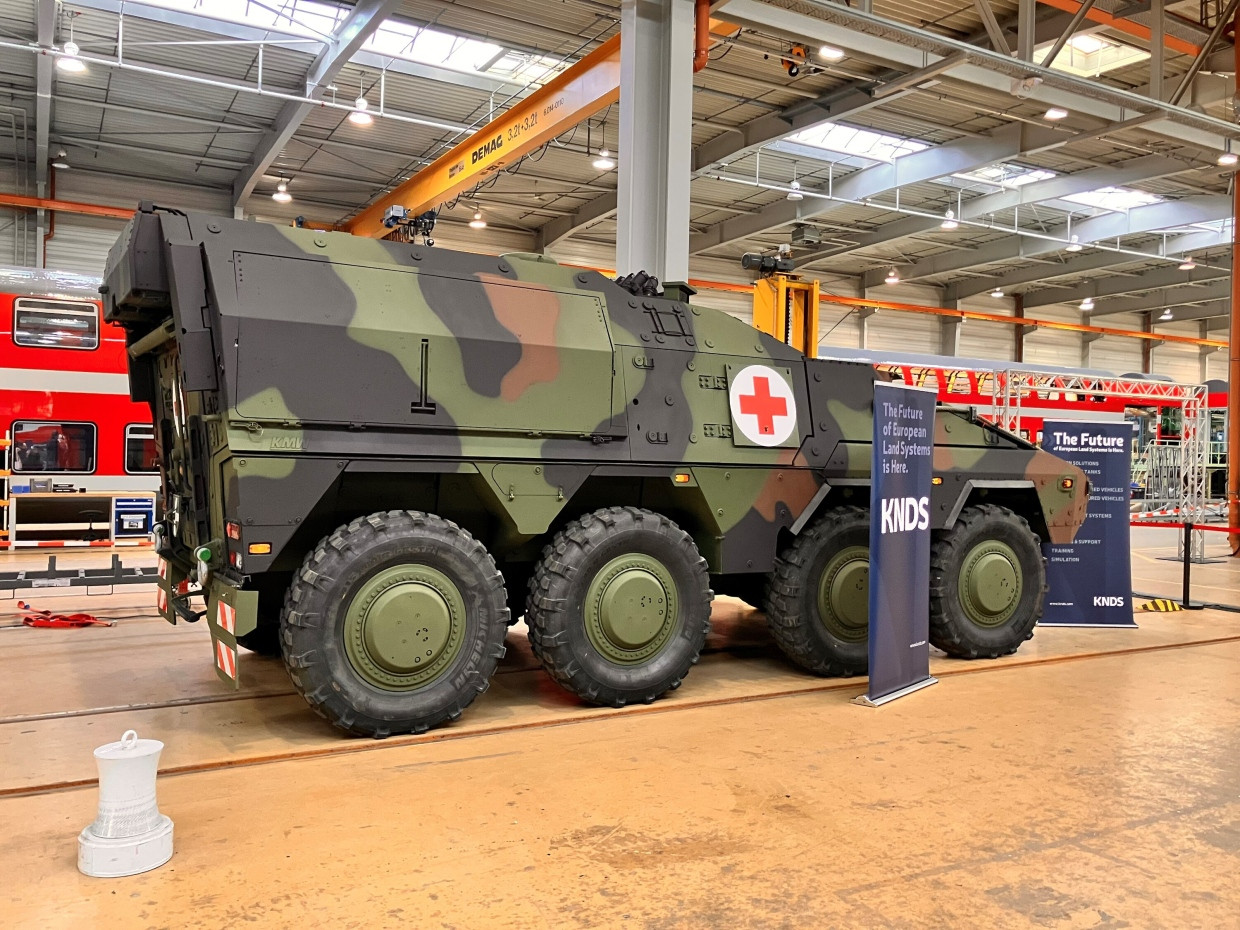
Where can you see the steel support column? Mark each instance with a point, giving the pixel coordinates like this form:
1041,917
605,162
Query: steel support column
1233,356
656,116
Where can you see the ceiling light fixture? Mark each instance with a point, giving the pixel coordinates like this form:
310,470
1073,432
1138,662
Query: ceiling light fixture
1188,264
949,220
1074,245
282,195
1166,314
359,116
1055,113
477,222
795,185
893,277
830,53
61,160
997,293
604,162
69,61
1227,159
1087,304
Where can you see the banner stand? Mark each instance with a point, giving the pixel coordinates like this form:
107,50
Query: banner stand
865,701
901,468
1090,579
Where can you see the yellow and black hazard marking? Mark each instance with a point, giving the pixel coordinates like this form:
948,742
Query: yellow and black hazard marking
1162,604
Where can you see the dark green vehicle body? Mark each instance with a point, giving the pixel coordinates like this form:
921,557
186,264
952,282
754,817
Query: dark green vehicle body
301,379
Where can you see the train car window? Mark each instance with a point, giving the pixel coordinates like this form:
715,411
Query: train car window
43,446
140,455
55,324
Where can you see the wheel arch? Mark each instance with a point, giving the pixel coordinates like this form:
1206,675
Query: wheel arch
1017,495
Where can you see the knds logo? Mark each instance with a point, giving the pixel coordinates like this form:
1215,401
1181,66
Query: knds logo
901,514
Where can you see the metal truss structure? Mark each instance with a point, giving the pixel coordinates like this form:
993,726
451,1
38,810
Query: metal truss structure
1011,387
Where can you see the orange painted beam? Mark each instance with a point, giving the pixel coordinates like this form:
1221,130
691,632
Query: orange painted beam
575,94
1126,26
1020,321
64,206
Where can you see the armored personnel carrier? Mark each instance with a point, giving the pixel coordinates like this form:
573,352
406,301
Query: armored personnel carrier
375,455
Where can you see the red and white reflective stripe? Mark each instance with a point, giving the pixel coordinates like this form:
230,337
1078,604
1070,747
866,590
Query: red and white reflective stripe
161,599
226,617
226,659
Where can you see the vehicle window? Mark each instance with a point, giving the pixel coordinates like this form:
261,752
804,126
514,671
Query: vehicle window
42,446
55,324
140,455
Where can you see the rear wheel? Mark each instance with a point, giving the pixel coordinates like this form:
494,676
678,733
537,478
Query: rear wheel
987,582
619,606
818,602
394,623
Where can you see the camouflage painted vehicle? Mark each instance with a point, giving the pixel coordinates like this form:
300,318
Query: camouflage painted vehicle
376,455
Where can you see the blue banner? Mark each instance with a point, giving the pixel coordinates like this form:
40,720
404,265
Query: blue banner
1090,579
902,466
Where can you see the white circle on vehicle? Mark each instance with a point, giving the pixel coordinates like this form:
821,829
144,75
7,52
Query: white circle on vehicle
763,406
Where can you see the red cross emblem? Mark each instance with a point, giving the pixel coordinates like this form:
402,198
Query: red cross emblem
764,409
763,405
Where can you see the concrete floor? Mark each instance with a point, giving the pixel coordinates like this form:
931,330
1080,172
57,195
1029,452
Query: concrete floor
1091,780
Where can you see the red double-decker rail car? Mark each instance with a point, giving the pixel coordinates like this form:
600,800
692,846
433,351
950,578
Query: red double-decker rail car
64,390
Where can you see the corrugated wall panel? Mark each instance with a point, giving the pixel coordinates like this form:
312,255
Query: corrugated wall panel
1054,346
81,243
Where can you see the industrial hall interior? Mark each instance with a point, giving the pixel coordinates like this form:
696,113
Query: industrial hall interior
602,464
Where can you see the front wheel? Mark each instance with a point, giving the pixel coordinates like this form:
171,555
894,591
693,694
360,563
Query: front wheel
818,601
987,582
394,623
619,606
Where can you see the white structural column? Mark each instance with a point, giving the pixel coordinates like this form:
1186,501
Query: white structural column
656,127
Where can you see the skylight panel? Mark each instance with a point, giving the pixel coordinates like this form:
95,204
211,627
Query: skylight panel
1115,199
299,17
1088,54
1006,175
850,140
393,38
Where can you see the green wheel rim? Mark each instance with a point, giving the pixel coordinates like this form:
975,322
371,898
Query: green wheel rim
990,583
404,627
631,610
844,594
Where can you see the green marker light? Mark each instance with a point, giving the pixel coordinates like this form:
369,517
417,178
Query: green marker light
203,553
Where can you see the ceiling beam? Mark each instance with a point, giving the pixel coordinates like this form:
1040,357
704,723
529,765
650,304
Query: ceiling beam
1167,276
1166,297
1133,171
1108,226
938,161
351,35
900,44
730,145
1037,272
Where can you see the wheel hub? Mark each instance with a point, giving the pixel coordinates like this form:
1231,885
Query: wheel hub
844,594
634,608
404,627
990,583
631,609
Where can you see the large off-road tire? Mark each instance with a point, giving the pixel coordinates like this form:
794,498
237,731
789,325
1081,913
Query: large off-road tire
818,600
987,582
394,623
619,606
264,639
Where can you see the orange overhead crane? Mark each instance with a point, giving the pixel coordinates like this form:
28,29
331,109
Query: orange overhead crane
575,94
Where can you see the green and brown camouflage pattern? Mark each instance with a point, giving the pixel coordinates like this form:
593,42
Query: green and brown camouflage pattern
301,378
